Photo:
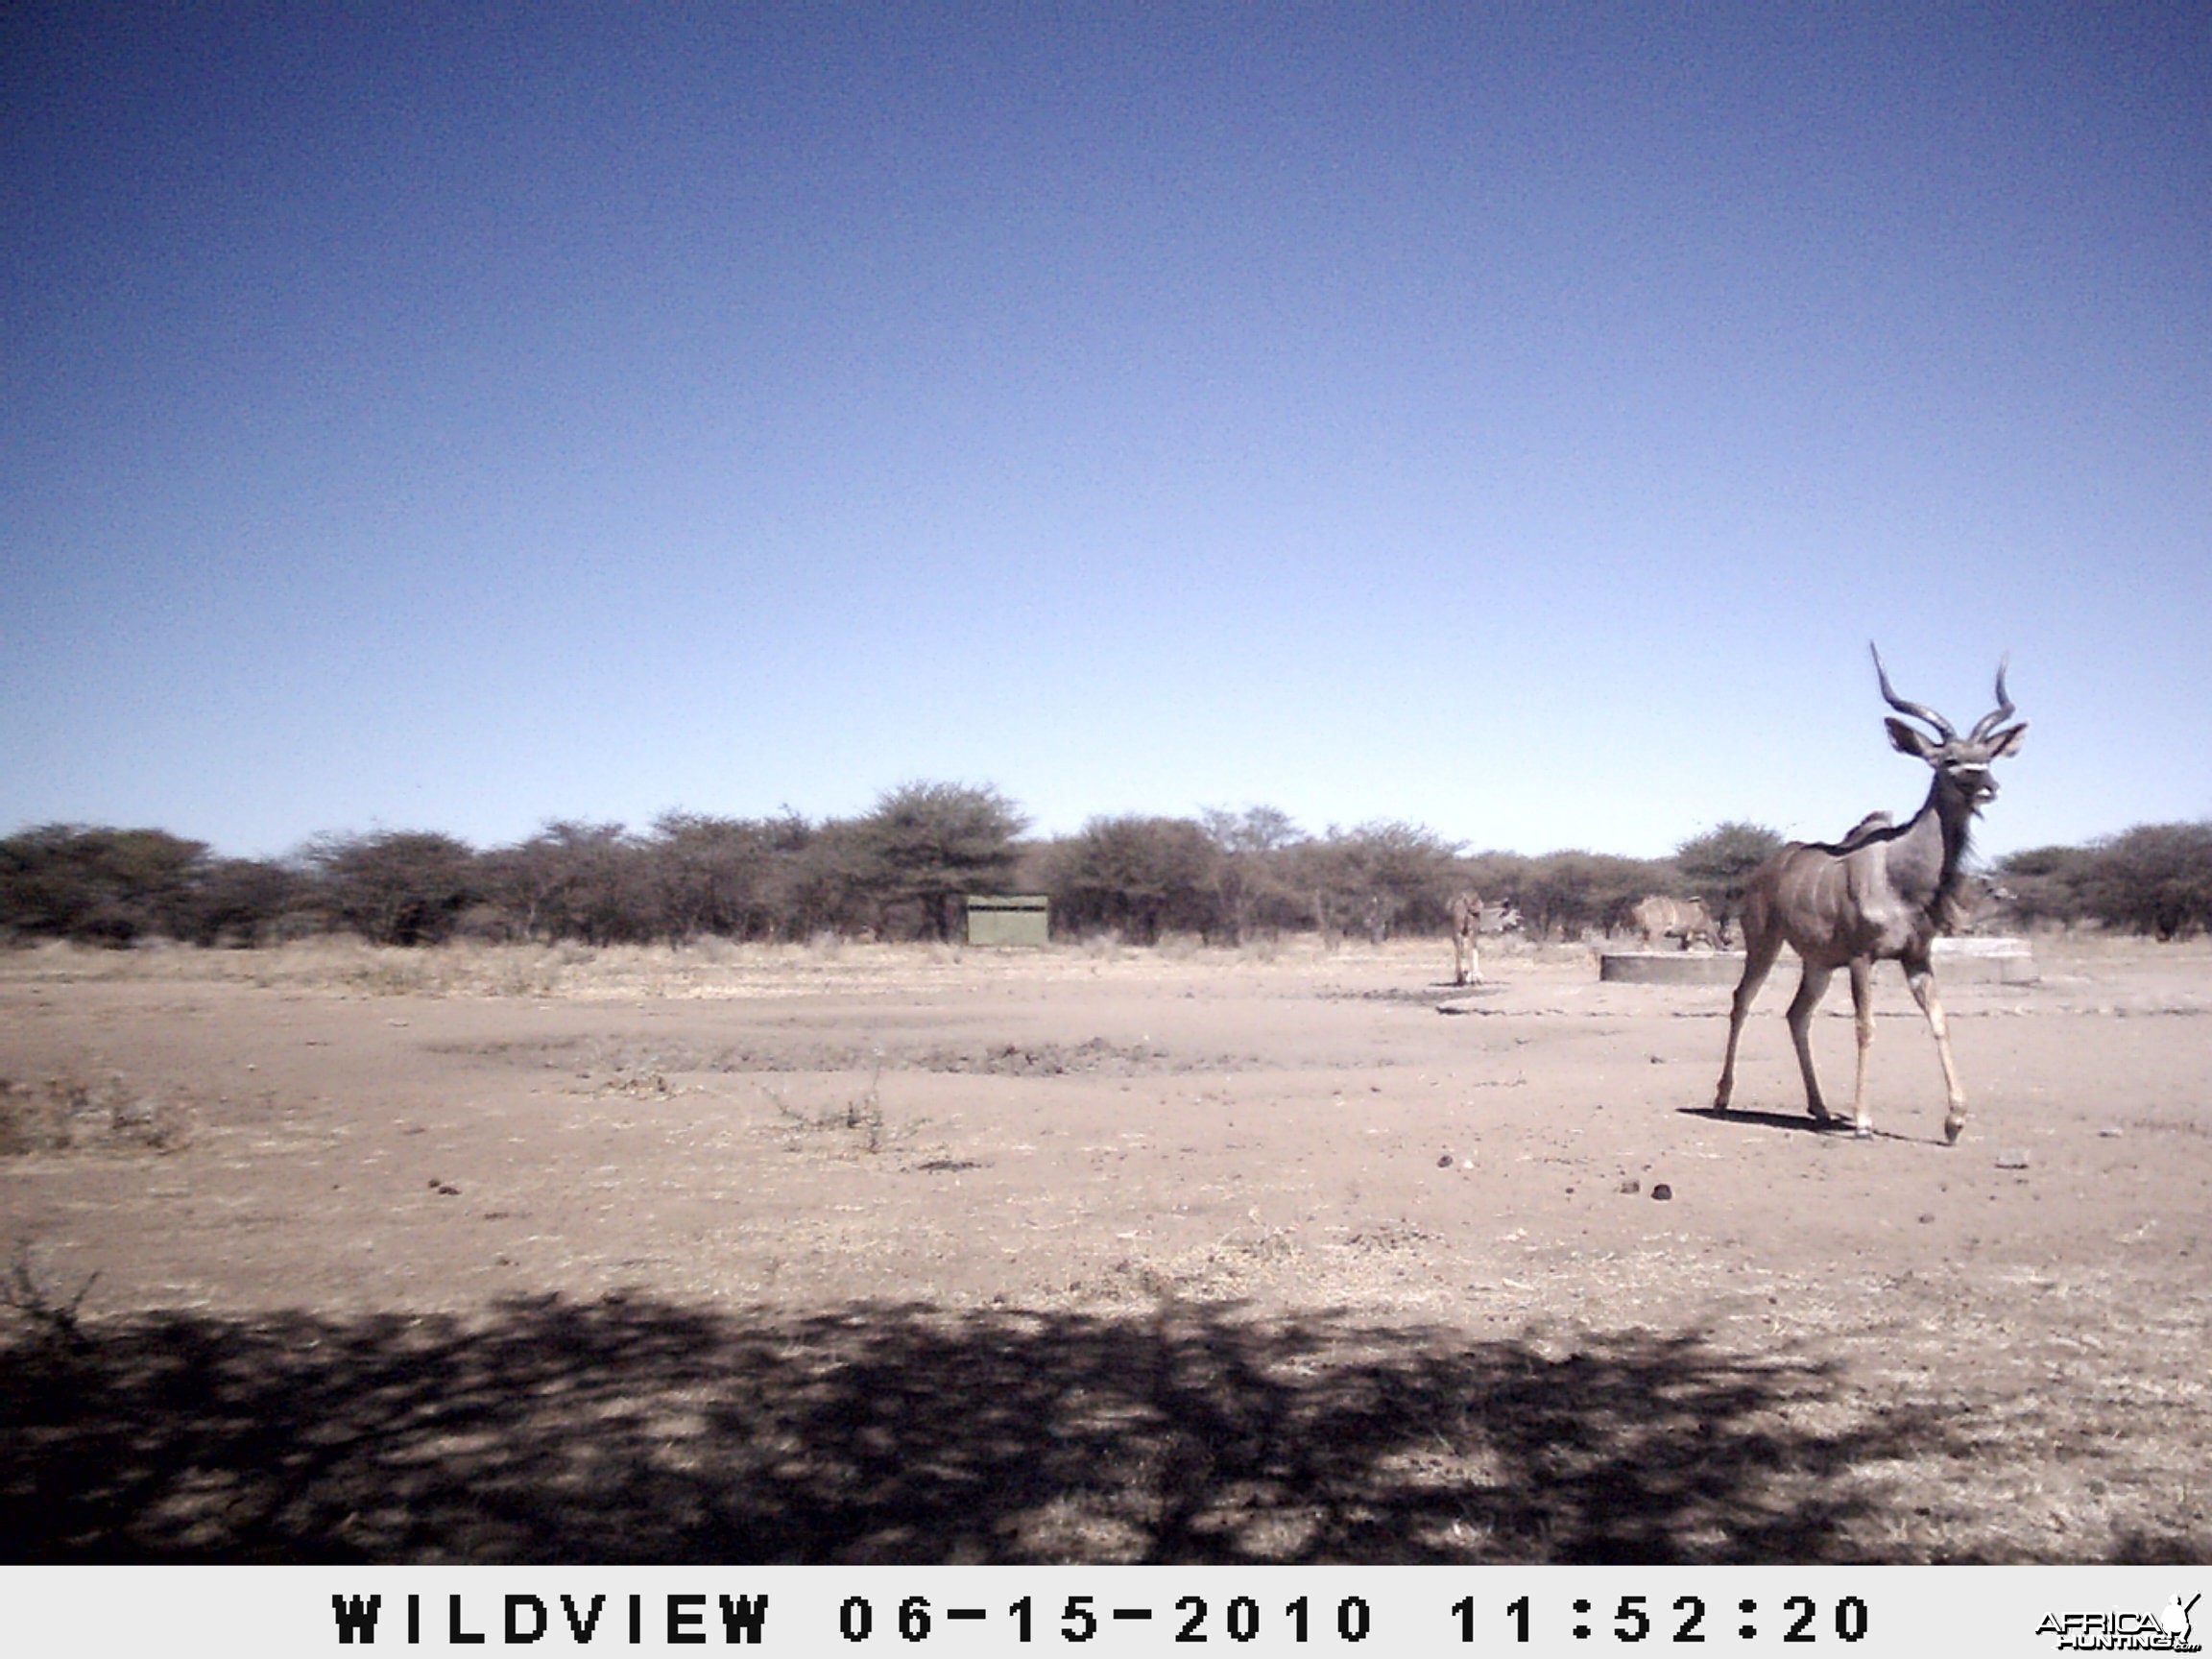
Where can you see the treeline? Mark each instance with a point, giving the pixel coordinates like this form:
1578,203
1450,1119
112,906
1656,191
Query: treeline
899,872
2156,878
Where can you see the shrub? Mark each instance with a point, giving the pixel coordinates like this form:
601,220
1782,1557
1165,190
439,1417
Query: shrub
925,844
1135,875
98,885
397,887
2156,878
1717,865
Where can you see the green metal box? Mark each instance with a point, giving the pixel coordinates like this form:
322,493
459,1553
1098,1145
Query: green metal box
1009,919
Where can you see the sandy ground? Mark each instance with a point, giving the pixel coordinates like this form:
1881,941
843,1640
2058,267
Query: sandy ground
875,1253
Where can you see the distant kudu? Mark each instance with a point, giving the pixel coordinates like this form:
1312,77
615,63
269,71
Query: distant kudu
1659,917
1466,913
1882,892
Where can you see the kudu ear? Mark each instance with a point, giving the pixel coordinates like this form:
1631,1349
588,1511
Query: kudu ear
1906,741
2007,741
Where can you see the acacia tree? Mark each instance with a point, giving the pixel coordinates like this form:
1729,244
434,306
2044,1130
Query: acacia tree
1574,892
1717,865
1137,874
2155,878
97,884
820,879
576,881
2046,883
524,886
928,843
242,902
1375,875
397,887
1251,886
712,873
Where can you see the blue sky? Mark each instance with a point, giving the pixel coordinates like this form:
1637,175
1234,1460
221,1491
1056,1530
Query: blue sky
1514,420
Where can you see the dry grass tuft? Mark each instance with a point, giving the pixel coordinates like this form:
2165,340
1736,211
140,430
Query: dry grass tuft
69,1112
25,1291
860,1117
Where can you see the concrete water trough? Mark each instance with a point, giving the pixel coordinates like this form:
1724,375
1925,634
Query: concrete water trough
1671,966
1967,961
1984,961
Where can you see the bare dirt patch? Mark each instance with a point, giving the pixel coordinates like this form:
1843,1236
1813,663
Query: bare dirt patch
878,1253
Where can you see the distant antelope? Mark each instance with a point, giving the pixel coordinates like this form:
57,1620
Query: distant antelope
1659,917
1466,912
1882,892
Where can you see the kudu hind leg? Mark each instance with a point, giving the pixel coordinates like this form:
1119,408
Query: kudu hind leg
1810,989
1922,981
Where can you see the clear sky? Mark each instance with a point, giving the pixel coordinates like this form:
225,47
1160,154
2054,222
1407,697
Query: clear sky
1511,418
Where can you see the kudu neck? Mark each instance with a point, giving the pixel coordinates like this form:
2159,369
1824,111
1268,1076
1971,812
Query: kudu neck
1935,845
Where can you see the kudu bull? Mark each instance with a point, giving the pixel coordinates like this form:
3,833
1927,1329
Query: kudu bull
1885,891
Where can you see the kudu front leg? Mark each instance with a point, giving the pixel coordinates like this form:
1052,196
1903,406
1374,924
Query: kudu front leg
1922,981
1863,1026
1810,989
1757,958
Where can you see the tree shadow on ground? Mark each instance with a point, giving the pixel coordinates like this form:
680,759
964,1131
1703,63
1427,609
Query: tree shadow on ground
636,1430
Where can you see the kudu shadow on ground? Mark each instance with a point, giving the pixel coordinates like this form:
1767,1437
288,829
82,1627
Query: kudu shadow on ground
1802,1123
637,1430
1799,1122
